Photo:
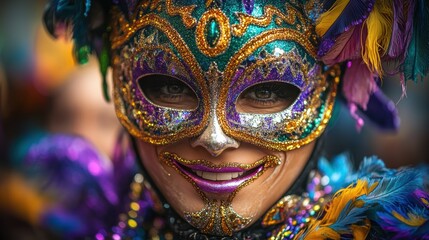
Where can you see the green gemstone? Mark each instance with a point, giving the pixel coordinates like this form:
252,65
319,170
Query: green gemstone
282,138
213,32
83,54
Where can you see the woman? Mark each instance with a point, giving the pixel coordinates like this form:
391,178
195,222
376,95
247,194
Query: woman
225,102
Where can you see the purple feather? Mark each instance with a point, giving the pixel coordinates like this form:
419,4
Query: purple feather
353,14
423,197
358,83
347,46
382,111
402,28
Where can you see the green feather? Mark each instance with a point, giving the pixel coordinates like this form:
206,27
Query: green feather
416,63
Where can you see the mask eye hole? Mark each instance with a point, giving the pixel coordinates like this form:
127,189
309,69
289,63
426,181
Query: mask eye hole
167,91
268,97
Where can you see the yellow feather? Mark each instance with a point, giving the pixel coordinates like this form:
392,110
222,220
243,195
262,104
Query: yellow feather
328,18
379,25
320,228
360,232
413,220
323,233
342,197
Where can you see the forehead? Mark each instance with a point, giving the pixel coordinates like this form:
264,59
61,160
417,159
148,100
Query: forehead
218,31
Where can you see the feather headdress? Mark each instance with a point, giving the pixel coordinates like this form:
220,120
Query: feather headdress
371,36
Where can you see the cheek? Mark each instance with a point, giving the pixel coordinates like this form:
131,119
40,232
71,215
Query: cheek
178,192
255,199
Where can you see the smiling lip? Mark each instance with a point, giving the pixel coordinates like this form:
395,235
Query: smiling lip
219,179
215,182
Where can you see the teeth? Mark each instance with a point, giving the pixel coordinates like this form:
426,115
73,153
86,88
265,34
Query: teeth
218,176
209,176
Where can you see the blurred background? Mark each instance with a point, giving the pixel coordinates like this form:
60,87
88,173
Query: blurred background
42,91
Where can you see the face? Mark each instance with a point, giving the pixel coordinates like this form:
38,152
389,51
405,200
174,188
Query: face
224,107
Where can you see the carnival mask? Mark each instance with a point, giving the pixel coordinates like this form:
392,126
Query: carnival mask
226,53
218,74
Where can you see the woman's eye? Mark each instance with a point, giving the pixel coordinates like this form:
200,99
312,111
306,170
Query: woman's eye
168,91
263,93
174,89
269,97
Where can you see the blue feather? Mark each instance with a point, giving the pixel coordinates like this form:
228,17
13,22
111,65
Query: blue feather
348,216
416,63
422,231
394,190
373,167
327,4
353,14
388,222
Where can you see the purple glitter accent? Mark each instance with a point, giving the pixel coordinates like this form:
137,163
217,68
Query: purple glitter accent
248,6
258,77
299,106
325,46
166,120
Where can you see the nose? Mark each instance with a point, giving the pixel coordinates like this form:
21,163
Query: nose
213,139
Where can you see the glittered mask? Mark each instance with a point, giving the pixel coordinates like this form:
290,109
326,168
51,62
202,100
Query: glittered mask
220,52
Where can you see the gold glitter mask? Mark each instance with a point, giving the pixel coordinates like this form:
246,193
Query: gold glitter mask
213,55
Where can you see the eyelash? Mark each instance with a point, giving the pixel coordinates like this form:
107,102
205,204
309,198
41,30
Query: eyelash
269,94
266,102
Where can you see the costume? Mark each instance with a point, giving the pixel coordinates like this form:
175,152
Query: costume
199,73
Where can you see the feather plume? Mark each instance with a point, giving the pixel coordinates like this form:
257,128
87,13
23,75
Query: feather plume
344,210
373,167
347,46
361,231
402,25
404,222
342,16
338,171
328,18
379,26
358,83
72,14
416,63
394,190
381,204
382,111
423,197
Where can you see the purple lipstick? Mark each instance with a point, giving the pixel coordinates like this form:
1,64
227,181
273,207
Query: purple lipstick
219,178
